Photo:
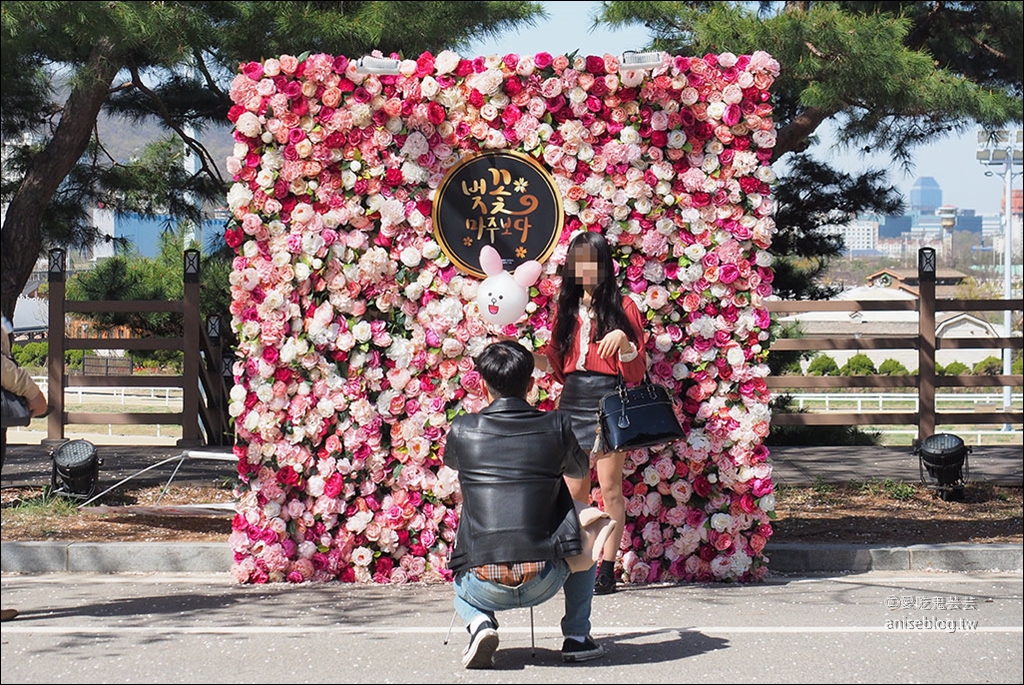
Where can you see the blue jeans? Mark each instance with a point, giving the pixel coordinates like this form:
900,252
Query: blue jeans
475,597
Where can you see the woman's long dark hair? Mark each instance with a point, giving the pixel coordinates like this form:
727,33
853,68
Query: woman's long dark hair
606,299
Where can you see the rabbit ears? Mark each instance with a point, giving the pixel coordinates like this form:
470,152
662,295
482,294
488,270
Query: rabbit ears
525,275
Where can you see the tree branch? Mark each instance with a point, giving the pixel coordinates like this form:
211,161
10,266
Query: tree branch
205,159
795,136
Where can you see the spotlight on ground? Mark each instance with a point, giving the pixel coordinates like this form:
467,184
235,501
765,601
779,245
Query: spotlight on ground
943,457
75,469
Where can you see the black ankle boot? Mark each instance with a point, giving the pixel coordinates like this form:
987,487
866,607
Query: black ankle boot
605,582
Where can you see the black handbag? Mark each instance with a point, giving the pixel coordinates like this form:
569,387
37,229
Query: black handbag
642,416
14,410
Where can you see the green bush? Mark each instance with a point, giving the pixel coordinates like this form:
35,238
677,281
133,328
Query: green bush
73,359
31,354
891,367
823,365
955,369
1017,367
858,365
989,366
34,355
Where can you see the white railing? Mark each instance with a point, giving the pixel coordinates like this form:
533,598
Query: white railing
895,401
965,434
123,396
824,401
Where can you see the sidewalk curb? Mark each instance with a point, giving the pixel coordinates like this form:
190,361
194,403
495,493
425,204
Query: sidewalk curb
215,557
115,557
860,558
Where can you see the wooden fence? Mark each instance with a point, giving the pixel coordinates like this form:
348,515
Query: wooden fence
926,418
203,417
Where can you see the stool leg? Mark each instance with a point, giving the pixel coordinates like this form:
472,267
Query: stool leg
533,644
454,614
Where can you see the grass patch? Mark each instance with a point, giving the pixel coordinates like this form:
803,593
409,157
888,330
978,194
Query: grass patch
45,504
896,489
822,488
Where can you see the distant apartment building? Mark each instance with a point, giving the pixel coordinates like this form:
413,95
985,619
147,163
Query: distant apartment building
860,236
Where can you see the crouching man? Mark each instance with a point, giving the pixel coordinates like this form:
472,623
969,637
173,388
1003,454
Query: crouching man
518,524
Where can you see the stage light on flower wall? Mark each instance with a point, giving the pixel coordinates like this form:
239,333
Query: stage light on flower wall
376,65
640,60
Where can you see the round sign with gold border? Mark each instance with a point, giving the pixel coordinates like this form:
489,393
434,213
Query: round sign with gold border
499,198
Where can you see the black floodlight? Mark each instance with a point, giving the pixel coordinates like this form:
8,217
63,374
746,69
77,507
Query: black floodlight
943,457
75,469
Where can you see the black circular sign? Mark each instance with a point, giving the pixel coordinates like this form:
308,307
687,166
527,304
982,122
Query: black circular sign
499,198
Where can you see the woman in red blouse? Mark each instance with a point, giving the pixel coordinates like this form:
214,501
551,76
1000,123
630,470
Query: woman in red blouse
598,333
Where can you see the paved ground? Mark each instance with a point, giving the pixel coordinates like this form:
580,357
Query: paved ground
194,628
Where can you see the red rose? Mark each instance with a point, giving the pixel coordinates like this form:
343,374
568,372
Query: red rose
595,64
701,486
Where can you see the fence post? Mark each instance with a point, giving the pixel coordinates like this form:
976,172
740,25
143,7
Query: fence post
56,332
214,364
926,343
190,347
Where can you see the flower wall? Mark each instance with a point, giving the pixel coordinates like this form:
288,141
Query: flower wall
356,333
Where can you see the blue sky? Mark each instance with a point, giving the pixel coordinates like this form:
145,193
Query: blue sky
950,161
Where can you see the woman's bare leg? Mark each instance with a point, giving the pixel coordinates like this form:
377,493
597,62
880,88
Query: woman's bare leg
609,477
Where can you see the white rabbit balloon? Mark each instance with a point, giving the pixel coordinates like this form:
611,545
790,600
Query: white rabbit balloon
503,296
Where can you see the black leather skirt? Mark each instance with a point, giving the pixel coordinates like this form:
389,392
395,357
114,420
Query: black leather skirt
581,399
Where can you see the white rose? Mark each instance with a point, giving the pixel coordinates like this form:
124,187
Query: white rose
431,249
249,125
410,256
721,522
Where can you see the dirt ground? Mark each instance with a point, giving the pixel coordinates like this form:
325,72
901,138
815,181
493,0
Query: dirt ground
876,513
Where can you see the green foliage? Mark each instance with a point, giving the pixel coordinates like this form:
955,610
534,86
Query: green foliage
989,366
786,363
898,490
872,67
859,364
820,487
136,278
30,355
33,355
46,504
954,369
821,436
131,277
1017,367
823,365
808,198
73,359
891,367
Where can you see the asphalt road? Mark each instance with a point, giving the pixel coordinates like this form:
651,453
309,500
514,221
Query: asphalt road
878,627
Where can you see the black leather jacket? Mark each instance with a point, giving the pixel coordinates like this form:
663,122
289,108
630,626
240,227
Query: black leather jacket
515,504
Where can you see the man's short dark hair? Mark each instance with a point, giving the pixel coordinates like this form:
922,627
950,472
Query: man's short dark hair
506,367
